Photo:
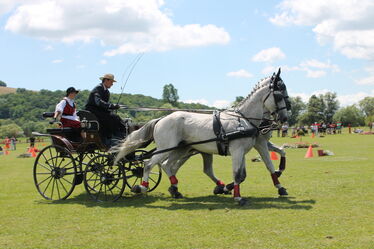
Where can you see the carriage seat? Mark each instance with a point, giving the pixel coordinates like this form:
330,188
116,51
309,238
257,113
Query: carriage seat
88,120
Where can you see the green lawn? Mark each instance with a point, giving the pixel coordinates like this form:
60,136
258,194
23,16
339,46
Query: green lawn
331,205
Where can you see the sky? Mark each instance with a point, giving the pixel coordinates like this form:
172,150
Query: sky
211,51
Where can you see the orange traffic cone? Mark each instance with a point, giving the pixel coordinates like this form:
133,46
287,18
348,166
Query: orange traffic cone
309,152
6,152
29,150
273,156
33,154
313,135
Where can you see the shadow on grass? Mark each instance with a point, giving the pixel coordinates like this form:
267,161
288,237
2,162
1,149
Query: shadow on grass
210,202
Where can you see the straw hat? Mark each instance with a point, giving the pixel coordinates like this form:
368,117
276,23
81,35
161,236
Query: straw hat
108,76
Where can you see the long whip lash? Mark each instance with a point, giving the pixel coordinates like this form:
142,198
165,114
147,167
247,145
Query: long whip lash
132,65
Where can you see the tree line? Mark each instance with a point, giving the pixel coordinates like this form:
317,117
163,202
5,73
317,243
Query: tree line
326,108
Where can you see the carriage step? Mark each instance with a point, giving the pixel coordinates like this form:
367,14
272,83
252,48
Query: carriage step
78,179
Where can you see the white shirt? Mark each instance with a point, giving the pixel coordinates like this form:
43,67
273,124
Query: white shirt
60,108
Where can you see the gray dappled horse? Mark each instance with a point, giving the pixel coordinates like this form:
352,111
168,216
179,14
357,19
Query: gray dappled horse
188,128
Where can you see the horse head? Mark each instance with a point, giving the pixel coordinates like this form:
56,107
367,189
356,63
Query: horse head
279,103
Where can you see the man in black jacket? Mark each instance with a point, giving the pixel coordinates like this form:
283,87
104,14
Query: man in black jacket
111,125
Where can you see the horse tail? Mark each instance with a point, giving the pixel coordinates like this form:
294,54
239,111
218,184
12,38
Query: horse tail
135,140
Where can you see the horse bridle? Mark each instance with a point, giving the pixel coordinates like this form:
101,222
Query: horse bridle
278,96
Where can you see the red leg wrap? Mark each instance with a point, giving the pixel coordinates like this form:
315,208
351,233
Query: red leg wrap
275,179
220,183
145,184
236,191
173,180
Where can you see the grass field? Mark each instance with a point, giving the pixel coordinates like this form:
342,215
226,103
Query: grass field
331,205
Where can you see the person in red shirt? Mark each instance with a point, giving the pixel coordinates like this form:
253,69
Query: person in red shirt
7,143
66,110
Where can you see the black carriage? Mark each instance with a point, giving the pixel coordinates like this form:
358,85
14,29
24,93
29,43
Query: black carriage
72,159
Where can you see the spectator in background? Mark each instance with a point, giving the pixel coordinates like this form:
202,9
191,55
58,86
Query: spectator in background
284,130
13,142
7,143
32,142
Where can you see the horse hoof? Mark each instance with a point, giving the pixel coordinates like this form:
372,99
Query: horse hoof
282,191
136,189
174,192
278,173
242,202
219,189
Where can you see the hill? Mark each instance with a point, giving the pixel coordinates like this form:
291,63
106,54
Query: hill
6,90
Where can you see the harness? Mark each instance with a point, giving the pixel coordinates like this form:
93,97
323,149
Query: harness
223,137
222,140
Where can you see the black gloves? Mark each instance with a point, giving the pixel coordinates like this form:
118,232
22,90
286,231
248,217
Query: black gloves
52,121
114,106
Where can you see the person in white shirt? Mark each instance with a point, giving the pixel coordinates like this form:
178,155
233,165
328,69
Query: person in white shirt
66,110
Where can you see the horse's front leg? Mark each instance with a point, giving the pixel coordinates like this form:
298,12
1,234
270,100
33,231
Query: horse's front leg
239,175
262,148
282,152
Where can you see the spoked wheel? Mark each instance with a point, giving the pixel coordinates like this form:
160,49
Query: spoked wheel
134,167
104,181
54,173
83,159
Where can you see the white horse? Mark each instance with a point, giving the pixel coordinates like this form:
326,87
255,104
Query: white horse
262,145
187,128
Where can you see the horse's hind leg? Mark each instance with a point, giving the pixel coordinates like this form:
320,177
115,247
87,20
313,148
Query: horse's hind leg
208,170
143,187
171,166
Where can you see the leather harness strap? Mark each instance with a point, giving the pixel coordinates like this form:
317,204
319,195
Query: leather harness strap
222,140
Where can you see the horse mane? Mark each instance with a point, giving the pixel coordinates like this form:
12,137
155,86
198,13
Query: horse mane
259,85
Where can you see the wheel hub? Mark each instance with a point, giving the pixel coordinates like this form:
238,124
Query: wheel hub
106,178
58,173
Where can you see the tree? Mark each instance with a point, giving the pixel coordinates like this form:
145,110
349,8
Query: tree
30,126
238,99
315,111
10,130
331,104
297,107
2,83
367,106
349,115
170,94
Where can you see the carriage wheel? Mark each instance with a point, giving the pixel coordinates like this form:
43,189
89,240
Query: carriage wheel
83,159
54,173
134,167
104,181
